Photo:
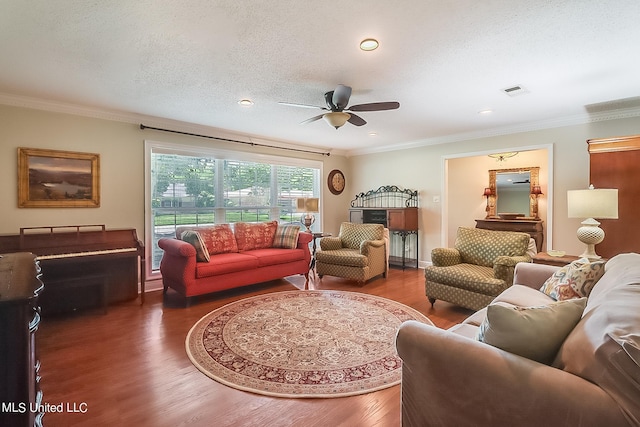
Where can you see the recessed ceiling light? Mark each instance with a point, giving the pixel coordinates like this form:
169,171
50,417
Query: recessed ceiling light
369,44
487,111
372,134
245,102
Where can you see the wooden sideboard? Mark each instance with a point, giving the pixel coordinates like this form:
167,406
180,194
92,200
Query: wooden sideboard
20,393
532,227
395,219
558,261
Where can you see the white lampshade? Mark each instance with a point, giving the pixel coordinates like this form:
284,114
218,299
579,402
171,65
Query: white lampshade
337,118
599,203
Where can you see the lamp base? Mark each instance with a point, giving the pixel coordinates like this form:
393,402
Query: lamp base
590,234
307,220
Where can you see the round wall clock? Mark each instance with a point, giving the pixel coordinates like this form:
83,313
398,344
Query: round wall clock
336,181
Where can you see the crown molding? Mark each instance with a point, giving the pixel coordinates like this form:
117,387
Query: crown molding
579,119
134,118
152,121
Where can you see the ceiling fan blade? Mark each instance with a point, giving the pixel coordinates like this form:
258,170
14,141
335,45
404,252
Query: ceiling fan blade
291,104
312,119
375,106
328,98
341,97
356,120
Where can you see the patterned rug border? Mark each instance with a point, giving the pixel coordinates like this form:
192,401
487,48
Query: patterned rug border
340,390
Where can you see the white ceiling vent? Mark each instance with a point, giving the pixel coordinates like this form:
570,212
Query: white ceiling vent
515,90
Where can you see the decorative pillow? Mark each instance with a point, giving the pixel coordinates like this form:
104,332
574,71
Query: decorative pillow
255,235
286,236
574,280
193,237
532,332
219,239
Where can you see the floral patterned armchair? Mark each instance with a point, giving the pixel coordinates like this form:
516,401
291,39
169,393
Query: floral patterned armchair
478,268
359,252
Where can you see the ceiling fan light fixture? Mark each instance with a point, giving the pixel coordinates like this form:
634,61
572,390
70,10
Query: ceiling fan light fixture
336,118
369,44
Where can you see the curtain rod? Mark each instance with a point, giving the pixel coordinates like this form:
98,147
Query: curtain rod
253,144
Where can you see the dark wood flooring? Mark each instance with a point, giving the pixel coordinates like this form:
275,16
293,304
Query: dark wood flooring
129,367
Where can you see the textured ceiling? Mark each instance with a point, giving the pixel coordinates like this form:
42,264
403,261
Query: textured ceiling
443,60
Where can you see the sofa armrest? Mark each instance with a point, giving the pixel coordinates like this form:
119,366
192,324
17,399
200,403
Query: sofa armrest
511,261
304,239
376,252
503,267
178,264
330,243
365,245
533,275
177,247
451,380
445,257
303,243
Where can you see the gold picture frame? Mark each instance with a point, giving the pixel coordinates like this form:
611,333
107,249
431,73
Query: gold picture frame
58,179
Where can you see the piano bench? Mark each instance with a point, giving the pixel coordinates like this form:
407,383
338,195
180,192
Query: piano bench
87,281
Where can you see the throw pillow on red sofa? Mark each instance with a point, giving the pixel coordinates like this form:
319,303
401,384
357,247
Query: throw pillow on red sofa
255,235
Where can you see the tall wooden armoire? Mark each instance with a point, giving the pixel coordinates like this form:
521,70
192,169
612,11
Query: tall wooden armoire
615,163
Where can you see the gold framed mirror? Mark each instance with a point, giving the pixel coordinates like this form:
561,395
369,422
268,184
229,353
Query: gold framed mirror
517,187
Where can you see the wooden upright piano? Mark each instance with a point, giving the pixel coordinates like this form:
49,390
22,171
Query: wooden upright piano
83,265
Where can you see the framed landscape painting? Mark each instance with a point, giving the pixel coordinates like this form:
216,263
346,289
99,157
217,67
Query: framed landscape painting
58,179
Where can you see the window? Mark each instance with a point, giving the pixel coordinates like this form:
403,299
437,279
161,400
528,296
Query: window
196,187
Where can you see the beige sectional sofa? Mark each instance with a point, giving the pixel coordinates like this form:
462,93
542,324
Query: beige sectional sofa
450,378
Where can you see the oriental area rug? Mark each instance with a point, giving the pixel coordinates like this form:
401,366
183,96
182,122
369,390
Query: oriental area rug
302,344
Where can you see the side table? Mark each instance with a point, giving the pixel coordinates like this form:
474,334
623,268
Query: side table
559,261
316,235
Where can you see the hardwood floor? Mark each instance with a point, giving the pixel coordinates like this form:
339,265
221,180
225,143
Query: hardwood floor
129,367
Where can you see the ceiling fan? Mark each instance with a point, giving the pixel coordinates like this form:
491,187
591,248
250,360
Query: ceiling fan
337,101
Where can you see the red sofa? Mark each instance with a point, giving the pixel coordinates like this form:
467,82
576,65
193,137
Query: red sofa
234,261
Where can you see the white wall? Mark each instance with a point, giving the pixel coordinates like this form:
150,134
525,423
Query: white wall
422,169
121,149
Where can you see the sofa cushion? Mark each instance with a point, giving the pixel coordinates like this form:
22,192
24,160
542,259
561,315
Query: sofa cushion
482,247
194,238
348,257
574,280
286,236
532,332
218,238
523,296
470,277
255,235
226,263
274,256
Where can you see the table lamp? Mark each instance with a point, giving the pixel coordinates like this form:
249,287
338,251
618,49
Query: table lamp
487,193
308,205
593,203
